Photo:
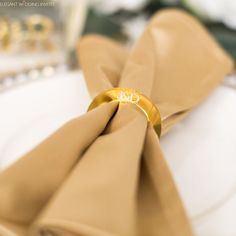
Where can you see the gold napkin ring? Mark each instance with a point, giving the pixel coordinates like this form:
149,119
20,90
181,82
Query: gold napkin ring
127,95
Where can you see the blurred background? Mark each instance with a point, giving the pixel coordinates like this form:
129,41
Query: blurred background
38,38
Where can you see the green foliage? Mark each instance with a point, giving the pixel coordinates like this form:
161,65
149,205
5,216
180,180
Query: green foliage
101,24
225,36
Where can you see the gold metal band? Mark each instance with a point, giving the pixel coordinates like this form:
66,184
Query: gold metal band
127,95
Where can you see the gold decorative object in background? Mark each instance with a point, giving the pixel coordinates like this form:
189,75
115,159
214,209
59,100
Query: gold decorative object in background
4,33
31,42
10,32
39,30
34,32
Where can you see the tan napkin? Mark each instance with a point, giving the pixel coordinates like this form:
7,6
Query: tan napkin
103,174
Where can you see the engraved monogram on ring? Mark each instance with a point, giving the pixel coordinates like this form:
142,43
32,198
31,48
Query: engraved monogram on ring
128,96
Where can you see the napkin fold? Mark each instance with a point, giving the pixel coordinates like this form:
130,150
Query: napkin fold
104,173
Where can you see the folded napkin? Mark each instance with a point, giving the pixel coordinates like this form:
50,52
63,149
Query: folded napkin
104,173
